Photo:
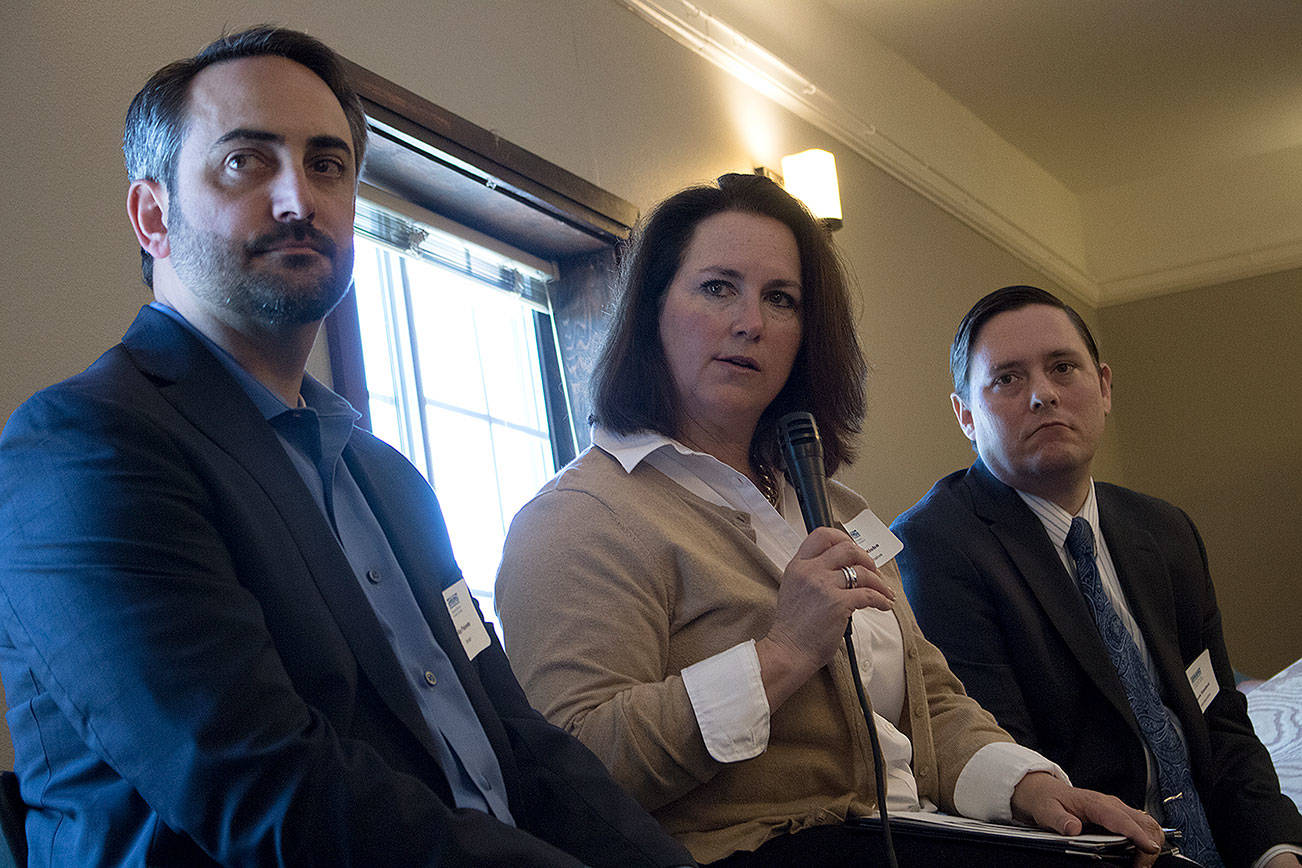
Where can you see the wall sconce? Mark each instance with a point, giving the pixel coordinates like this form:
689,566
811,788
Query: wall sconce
810,176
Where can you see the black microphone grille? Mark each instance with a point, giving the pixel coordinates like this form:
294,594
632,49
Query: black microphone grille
798,428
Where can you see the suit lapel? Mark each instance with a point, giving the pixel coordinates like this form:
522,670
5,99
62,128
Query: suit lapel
1028,547
1144,580
194,382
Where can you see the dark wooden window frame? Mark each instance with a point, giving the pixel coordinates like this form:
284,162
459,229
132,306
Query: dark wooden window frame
450,166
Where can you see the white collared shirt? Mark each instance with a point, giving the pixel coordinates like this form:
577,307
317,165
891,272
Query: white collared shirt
726,690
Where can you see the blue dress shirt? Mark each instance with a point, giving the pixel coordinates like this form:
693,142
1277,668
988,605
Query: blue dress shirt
314,437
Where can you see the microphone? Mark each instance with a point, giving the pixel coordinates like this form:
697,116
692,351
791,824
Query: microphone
803,450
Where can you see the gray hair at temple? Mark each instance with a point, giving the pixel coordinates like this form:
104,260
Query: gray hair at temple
1001,301
156,120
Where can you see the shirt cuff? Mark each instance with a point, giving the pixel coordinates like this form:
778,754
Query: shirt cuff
984,790
728,699
1275,851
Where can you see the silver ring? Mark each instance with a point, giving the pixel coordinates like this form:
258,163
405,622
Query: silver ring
851,577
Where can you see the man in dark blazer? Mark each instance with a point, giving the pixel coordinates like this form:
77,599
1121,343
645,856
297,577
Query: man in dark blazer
986,570
232,628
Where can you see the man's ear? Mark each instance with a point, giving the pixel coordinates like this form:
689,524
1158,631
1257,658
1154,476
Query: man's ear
147,211
964,416
1105,386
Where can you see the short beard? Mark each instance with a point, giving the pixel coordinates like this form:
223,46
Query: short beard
217,269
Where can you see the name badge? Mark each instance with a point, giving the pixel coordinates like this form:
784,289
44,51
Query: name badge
470,630
1203,680
874,537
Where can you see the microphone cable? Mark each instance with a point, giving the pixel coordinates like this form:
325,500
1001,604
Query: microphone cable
879,775
802,449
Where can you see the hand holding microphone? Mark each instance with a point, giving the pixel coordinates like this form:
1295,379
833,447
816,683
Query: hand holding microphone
817,596
803,450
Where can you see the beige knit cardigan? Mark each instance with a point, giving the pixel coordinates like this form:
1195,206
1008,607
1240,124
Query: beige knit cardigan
612,583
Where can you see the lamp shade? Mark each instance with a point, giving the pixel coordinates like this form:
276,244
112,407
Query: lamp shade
810,176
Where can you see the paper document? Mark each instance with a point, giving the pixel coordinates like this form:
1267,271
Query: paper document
937,821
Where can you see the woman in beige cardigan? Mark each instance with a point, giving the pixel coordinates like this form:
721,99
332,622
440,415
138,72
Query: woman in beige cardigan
661,600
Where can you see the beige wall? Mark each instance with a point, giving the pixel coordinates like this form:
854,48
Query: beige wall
1206,386
583,83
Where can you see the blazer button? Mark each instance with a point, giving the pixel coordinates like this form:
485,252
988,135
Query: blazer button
373,576
430,679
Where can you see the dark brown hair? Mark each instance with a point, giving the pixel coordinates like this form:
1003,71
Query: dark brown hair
632,387
1001,301
156,119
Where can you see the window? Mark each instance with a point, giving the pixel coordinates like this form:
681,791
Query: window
450,337
519,285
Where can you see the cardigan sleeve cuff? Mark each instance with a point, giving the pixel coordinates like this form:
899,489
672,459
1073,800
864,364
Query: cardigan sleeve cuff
728,699
984,789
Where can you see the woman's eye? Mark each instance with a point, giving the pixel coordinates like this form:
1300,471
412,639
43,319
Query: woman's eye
715,287
783,300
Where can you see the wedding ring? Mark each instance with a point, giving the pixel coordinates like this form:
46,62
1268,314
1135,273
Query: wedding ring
851,577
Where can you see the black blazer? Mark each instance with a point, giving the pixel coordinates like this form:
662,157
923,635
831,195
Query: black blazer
194,673
989,589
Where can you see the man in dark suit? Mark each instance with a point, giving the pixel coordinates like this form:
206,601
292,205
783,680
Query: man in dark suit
1082,614
232,628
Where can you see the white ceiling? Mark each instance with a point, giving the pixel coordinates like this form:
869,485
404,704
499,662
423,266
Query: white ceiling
1106,93
1126,148
1149,112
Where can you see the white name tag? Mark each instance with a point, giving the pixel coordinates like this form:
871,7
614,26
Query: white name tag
874,537
1203,680
470,630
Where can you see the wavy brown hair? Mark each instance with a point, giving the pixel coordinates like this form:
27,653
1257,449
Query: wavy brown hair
632,387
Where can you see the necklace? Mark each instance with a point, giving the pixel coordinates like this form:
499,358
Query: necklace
767,484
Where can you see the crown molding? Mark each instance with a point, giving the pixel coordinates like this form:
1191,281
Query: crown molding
951,188
1221,269
733,52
